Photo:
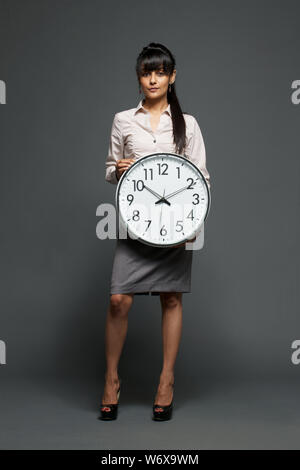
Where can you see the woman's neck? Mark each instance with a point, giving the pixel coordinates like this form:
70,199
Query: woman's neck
155,106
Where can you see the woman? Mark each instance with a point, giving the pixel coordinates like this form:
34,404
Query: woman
157,124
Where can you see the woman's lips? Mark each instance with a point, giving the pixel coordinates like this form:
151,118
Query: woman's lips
153,89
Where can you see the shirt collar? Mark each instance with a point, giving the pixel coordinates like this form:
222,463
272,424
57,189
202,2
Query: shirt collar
140,106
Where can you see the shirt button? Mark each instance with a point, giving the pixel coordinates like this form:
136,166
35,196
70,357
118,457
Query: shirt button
154,140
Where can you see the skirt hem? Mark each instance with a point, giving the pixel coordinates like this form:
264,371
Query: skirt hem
147,290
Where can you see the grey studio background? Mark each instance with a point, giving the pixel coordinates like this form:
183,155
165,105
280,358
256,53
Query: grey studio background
68,67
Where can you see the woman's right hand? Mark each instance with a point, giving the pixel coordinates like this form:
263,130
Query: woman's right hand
122,165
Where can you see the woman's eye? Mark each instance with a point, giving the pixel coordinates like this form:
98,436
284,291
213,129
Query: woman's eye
159,73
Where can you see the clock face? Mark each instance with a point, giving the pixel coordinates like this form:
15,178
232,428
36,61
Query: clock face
162,199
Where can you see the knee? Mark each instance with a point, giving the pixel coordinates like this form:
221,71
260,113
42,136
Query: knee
171,299
120,303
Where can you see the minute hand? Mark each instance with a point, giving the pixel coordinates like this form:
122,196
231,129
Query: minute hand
176,192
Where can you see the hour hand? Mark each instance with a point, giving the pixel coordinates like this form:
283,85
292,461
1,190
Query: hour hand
161,198
153,192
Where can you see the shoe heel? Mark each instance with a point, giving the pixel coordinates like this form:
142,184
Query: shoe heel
110,412
165,412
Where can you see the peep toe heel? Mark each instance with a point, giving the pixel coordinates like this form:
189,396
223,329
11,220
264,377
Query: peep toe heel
162,412
110,411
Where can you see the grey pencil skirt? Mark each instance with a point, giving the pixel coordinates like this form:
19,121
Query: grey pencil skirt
144,269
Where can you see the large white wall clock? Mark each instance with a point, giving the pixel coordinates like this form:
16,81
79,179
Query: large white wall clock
162,200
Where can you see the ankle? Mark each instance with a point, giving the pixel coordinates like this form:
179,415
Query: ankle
167,377
112,378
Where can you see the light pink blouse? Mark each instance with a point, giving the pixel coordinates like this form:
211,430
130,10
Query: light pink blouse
133,137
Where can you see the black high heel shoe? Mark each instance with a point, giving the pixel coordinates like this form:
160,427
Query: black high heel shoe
165,411
109,412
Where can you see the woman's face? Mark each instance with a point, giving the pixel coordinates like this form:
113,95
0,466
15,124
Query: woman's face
155,84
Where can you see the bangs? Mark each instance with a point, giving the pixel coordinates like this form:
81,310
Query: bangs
154,60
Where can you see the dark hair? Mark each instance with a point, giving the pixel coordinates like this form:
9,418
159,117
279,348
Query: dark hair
152,57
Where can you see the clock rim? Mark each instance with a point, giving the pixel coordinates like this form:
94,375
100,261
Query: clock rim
138,160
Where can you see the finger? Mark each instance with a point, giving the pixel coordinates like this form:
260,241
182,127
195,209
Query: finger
124,165
126,160
124,168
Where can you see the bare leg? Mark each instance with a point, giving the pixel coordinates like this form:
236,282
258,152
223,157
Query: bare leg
171,303
115,335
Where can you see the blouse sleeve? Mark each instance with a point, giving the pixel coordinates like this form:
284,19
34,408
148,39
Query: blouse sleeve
195,151
115,151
